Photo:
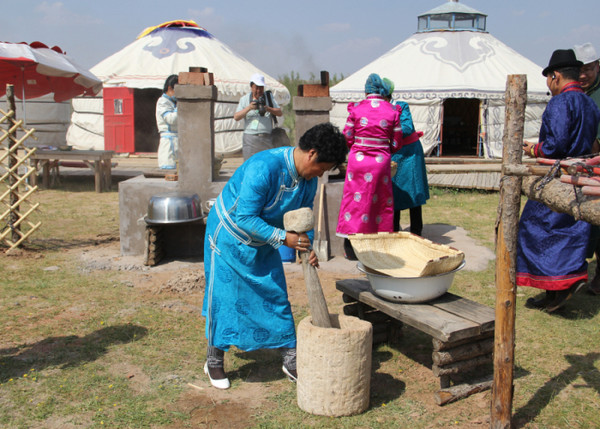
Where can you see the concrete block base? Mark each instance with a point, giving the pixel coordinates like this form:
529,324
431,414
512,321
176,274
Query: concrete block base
182,240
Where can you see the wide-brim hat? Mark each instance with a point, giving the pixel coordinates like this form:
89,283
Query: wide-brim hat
586,53
561,58
257,79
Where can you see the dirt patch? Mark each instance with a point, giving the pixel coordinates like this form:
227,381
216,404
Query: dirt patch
179,282
211,408
184,283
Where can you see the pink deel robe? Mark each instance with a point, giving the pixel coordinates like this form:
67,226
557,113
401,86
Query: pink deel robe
373,133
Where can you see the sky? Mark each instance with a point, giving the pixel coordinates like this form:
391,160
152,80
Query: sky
305,37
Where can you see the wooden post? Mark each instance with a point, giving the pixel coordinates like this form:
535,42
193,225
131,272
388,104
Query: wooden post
12,162
506,249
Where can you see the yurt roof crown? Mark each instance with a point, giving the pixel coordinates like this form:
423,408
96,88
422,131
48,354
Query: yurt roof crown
452,16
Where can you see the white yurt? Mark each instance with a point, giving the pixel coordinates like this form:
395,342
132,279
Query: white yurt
137,74
50,119
452,73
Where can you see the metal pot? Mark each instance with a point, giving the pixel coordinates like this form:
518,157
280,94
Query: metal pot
409,289
173,207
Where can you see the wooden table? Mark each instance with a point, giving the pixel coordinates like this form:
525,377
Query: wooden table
99,161
462,332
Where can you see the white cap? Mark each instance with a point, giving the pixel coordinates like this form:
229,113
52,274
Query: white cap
257,79
586,53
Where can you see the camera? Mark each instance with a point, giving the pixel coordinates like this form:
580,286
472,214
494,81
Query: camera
262,105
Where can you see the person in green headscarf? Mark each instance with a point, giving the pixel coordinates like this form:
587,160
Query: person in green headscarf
409,184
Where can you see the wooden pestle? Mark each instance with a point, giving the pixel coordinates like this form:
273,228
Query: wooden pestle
298,221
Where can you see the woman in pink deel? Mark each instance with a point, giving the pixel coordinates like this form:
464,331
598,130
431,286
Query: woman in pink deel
373,133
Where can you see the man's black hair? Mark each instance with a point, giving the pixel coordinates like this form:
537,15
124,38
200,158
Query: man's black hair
328,141
571,73
171,82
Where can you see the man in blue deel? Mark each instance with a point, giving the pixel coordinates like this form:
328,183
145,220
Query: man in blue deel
551,246
245,300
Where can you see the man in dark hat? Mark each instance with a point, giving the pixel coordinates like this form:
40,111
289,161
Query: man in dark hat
551,247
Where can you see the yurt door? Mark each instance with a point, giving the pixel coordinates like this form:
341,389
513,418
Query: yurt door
460,127
119,120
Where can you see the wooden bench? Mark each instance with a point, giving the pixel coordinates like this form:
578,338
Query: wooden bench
99,161
462,332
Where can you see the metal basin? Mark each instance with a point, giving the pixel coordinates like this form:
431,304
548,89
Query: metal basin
410,289
173,207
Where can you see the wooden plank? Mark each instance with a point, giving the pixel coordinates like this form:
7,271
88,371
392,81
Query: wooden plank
491,182
425,317
461,160
433,179
461,366
464,352
465,168
481,180
445,345
456,178
438,179
73,154
472,183
477,313
467,180
454,393
497,178
488,183
98,182
476,180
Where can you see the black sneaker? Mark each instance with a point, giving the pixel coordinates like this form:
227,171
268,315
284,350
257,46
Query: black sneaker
594,285
562,296
538,303
541,303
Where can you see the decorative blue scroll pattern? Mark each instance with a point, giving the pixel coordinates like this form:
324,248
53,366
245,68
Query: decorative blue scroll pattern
164,42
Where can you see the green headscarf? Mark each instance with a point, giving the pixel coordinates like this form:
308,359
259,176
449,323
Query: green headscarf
390,84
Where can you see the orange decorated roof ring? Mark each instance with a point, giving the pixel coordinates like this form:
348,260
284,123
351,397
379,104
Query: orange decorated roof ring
176,23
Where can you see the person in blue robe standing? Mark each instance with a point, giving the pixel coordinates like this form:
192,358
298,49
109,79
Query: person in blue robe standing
551,246
409,184
245,301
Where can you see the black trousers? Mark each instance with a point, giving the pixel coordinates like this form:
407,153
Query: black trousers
416,220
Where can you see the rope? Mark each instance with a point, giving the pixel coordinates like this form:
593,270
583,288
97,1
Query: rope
551,174
578,196
554,173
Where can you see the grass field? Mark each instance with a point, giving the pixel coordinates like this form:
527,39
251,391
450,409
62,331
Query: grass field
87,347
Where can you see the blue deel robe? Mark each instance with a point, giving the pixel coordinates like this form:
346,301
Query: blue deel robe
551,247
245,300
409,185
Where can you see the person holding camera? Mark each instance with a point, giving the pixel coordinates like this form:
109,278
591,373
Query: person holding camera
258,111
